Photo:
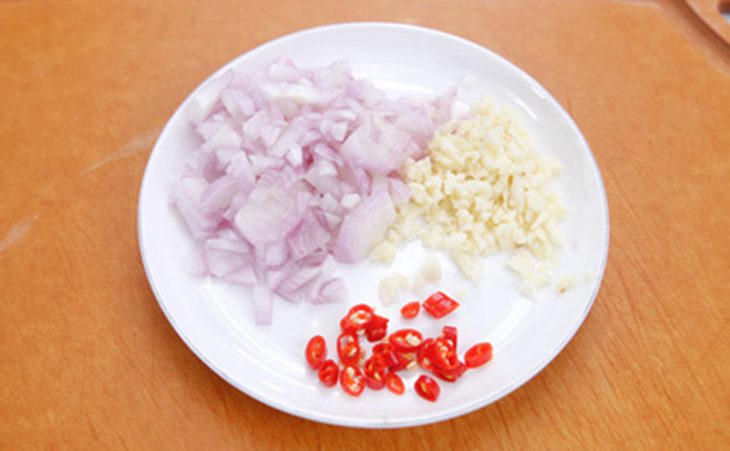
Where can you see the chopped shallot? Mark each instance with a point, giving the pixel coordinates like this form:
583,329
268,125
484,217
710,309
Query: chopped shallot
296,168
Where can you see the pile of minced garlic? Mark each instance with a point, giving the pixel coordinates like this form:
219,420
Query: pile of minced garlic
483,188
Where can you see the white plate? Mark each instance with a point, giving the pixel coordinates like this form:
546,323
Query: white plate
267,363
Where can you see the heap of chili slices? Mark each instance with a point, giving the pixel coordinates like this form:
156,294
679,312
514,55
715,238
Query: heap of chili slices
402,349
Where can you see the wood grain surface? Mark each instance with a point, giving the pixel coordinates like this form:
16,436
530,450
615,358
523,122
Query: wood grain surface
87,359
710,11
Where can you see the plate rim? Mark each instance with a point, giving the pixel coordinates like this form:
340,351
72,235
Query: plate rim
379,423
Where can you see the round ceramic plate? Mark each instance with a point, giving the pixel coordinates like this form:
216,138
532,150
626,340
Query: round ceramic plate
215,320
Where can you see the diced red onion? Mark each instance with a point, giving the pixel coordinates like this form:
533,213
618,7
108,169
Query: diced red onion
398,190
291,288
334,290
218,195
364,227
263,305
225,256
245,276
273,255
309,236
269,214
186,197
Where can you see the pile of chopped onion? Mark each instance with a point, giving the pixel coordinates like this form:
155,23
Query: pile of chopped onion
297,168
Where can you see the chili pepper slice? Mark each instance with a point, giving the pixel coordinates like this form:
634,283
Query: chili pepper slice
406,340
478,355
316,351
348,349
352,380
377,328
440,304
411,310
427,388
357,318
328,373
395,383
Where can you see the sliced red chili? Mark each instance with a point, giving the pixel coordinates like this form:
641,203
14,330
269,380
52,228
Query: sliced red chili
406,340
328,373
377,328
403,359
427,388
387,351
424,354
395,383
450,333
452,374
439,304
316,351
357,318
443,355
348,348
375,370
478,355
410,310
352,380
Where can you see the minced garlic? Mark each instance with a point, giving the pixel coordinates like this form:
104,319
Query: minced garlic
391,288
482,188
429,272
565,283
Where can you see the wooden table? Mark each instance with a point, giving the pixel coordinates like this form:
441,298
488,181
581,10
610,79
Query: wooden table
87,358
